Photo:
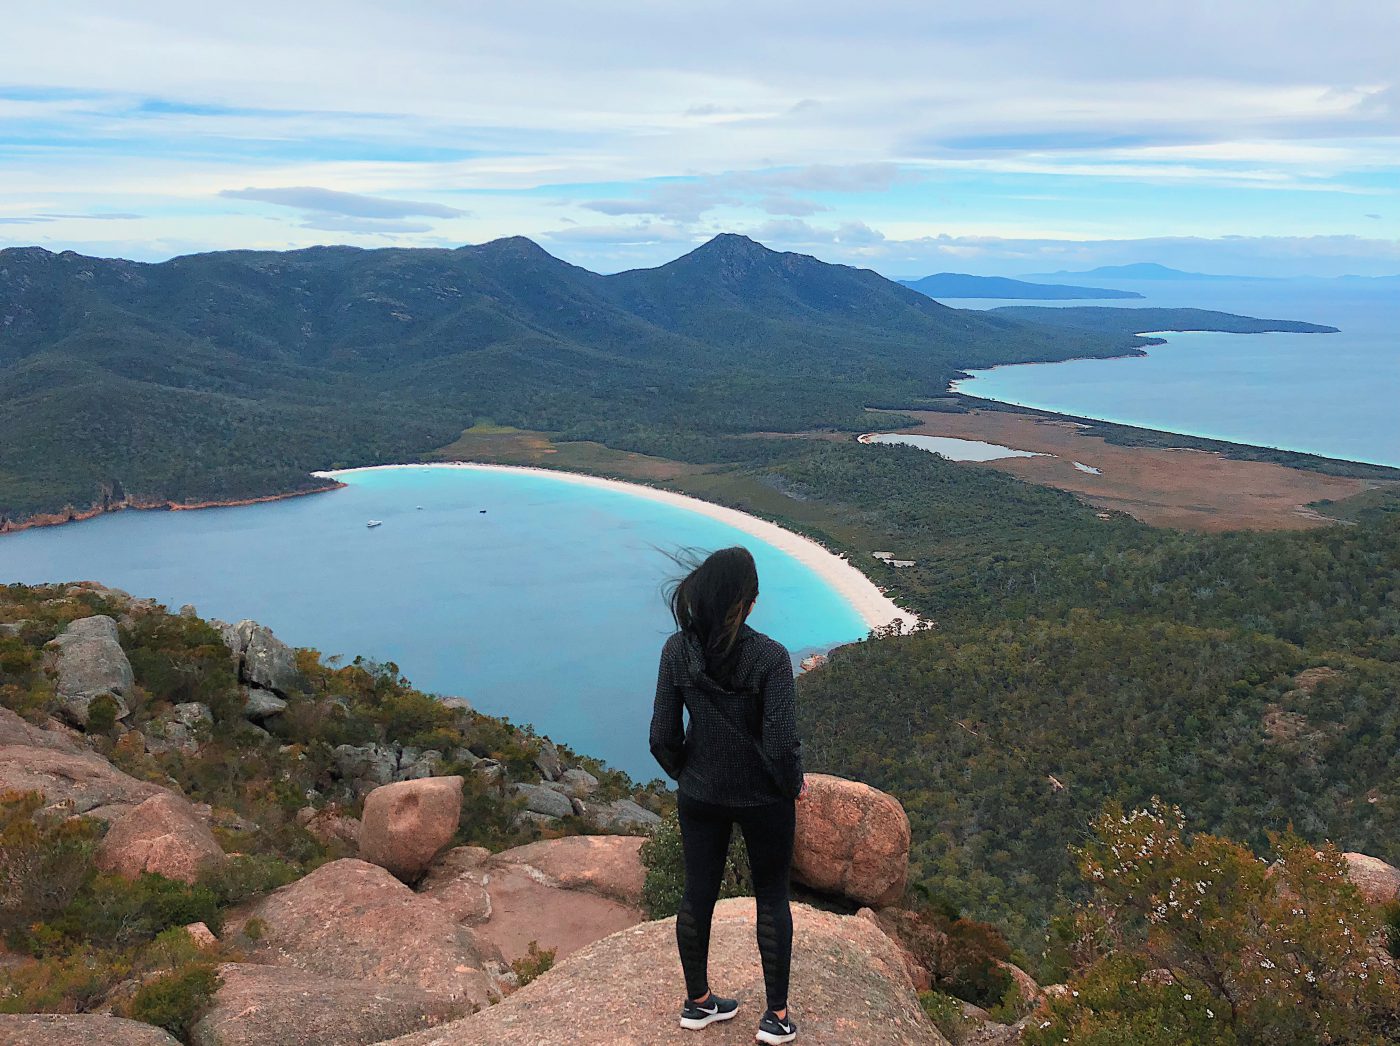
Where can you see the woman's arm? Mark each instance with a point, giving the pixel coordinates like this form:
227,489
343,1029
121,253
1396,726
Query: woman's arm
780,741
667,730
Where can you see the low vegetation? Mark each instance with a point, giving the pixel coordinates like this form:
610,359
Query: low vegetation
1193,939
85,940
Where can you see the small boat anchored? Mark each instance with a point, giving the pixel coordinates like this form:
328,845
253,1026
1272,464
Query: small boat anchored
375,523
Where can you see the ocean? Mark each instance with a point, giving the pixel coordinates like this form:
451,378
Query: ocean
547,608
1329,394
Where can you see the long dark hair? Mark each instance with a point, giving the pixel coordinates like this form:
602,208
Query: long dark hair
711,602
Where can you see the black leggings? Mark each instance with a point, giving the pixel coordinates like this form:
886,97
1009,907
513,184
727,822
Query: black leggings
705,832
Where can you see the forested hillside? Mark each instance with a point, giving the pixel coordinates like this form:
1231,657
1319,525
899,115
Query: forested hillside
234,374
1250,678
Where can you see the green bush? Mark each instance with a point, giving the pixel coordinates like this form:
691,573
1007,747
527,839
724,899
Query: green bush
44,860
664,860
174,1002
113,911
75,982
102,714
946,1013
247,876
1258,953
534,962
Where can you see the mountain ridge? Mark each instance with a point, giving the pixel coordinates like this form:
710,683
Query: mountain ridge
228,375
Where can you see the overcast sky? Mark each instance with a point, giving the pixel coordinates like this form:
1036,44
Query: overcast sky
995,137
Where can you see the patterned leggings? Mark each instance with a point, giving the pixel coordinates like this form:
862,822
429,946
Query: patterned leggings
705,832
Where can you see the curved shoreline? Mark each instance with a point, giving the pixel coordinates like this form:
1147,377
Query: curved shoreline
57,519
875,608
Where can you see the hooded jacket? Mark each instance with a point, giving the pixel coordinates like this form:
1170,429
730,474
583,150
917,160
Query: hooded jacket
740,746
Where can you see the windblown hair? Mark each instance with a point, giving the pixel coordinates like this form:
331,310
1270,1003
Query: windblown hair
711,602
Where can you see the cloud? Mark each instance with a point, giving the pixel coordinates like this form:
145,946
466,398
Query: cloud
644,234
310,198
772,191
794,232
791,205
808,117
331,223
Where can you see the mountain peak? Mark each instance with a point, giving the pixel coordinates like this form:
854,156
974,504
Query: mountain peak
733,244
515,246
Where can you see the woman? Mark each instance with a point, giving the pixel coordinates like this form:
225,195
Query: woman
738,761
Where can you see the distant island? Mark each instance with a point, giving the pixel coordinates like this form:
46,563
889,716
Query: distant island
1142,271
1104,319
961,285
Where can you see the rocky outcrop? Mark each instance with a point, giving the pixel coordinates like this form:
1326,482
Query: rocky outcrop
78,1029
542,800
331,827
51,763
621,815
848,985
852,840
607,865
548,763
261,704
180,729
266,666
559,893
578,784
1378,882
406,825
276,1006
353,920
368,766
52,734
88,662
163,835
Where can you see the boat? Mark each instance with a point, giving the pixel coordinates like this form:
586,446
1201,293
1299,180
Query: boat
374,523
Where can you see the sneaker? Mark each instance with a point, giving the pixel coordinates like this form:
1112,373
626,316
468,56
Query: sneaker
776,1029
697,1015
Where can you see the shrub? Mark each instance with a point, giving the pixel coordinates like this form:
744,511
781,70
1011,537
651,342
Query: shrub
174,1002
44,860
534,962
1255,954
1118,1003
75,982
1392,929
102,714
664,860
113,911
247,876
946,1013
961,955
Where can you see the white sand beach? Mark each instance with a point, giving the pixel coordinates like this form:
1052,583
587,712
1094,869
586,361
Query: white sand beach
874,607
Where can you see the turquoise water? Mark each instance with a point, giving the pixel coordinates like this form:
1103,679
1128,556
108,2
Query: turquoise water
546,609
1329,394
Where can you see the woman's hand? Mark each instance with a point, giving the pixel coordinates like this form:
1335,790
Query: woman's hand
803,793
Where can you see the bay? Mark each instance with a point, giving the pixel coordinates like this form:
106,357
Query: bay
1329,394
546,608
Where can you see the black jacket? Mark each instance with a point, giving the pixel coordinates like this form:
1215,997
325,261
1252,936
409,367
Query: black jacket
716,756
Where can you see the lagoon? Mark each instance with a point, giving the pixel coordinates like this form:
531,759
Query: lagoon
546,608
953,448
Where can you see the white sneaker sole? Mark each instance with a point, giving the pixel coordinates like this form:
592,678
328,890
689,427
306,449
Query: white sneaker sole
776,1040
696,1023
